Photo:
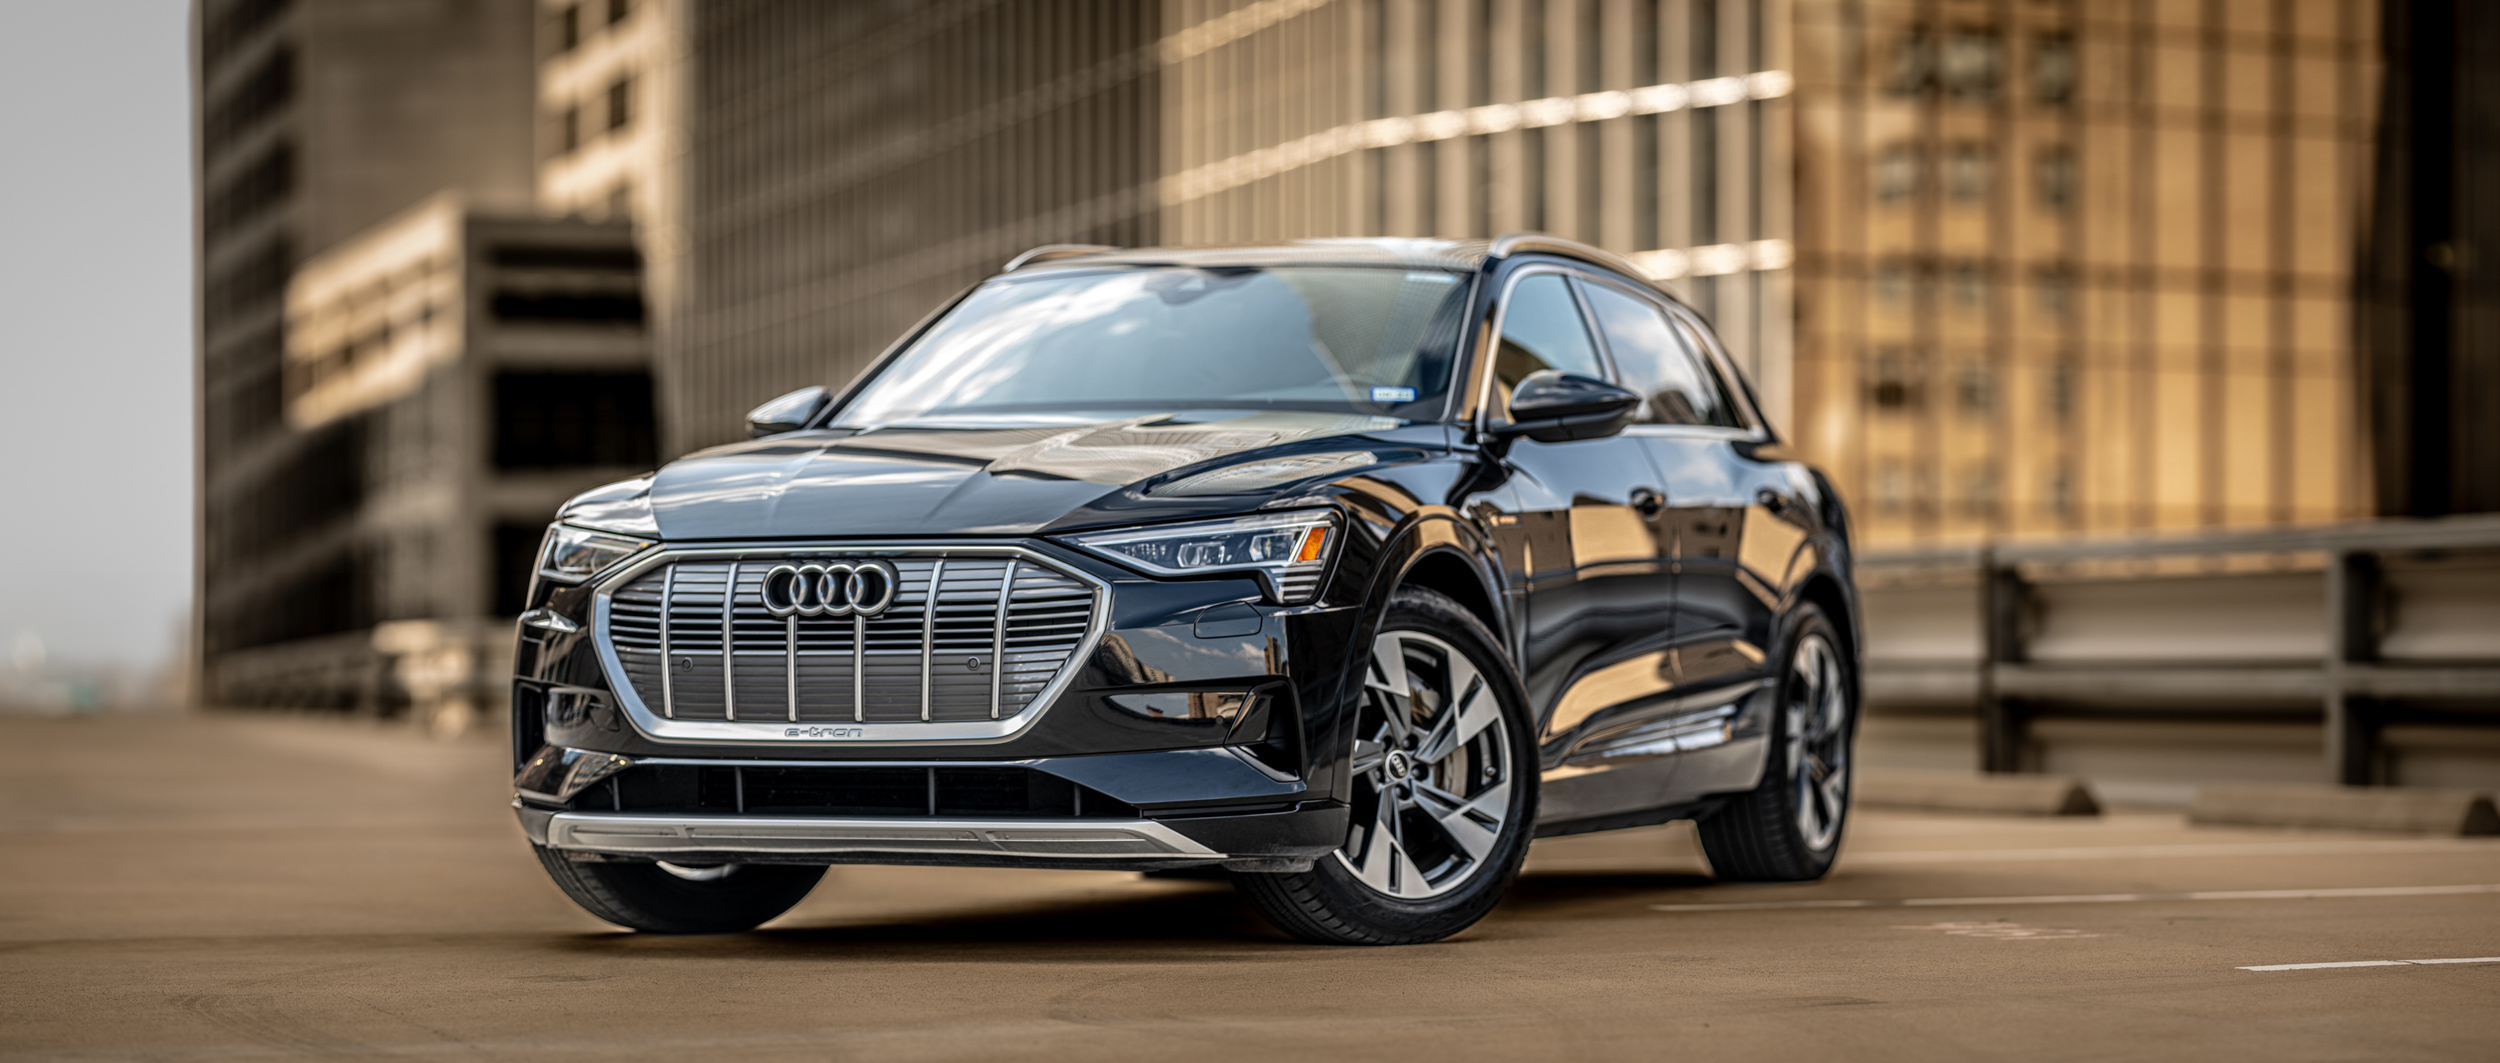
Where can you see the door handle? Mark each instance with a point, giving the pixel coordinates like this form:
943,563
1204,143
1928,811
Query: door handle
1648,501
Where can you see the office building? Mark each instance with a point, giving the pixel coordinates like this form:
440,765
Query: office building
809,179
313,122
2082,267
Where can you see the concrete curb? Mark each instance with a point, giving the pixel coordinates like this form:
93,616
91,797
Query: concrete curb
2020,795
2346,808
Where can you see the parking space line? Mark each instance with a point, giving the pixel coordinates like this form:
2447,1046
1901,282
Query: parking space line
2367,963
2088,898
2342,847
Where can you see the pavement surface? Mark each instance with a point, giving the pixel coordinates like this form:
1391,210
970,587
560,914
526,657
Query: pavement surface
270,888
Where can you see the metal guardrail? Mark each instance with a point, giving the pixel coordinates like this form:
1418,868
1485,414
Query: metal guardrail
2368,624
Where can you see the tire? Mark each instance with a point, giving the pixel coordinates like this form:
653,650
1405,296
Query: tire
1788,828
668,899
1435,842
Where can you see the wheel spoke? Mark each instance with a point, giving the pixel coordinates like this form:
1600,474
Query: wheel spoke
1367,756
1475,710
1380,848
1835,789
1472,824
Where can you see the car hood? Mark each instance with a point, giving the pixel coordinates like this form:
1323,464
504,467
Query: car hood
1013,481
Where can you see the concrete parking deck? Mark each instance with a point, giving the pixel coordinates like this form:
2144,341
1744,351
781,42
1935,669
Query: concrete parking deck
233,888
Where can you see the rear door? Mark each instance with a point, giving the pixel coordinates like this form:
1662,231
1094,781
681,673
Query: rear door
1729,554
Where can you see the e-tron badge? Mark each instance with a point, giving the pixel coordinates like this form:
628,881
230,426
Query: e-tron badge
829,588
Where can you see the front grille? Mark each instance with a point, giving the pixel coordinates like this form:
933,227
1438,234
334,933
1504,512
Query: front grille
1003,628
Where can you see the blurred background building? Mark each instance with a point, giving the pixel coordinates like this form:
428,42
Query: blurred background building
2008,269
809,179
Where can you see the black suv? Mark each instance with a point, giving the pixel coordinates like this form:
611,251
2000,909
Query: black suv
1343,566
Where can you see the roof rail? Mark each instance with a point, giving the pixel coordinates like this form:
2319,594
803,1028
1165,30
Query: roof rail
1509,244
1046,252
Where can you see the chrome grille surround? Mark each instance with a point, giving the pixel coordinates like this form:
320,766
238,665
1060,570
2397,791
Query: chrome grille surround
798,695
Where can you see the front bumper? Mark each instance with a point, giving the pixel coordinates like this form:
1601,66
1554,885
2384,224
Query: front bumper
1135,811
1116,769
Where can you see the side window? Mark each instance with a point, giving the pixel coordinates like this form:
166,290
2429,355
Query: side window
1542,329
1658,360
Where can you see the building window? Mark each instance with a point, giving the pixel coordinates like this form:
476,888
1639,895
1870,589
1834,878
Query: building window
1967,171
571,420
1977,389
1889,385
2057,292
1911,62
2056,177
270,87
255,190
567,308
569,130
2053,69
2060,396
1891,487
2061,492
1967,65
1969,284
1979,491
620,103
568,28
1892,284
1896,174
618,9
516,561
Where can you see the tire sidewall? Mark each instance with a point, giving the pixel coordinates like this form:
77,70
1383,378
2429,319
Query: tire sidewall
1780,769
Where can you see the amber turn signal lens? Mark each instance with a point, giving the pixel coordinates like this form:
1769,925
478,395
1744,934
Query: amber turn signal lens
1311,544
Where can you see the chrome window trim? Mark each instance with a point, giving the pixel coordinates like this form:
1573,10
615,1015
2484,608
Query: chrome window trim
1484,417
880,735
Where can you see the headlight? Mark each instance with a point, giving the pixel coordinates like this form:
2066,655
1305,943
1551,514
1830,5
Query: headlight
1289,549
571,555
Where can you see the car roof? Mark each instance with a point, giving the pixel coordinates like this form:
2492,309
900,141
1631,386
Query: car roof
1390,251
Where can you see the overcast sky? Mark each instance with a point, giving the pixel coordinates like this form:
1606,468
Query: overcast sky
95,328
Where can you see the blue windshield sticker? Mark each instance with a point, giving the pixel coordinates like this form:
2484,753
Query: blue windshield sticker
1393,394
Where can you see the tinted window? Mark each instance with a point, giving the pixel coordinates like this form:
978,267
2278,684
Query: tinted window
1656,359
1061,346
1542,329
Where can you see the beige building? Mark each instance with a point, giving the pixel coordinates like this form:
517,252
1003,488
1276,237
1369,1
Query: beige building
2003,268
1655,128
2073,267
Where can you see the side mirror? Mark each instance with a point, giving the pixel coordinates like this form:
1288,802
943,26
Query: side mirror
1553,407
788,413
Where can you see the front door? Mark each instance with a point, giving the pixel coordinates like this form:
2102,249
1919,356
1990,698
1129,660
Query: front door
1582,538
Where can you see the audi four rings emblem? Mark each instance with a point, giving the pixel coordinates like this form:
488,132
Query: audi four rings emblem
829,588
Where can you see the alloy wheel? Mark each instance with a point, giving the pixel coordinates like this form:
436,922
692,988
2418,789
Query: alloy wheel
1432,770
1818,741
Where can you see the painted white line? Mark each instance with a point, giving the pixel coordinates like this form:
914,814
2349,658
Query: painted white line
2088,898
2351,847
2367,963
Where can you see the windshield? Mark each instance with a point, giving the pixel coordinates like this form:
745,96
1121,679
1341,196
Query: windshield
1088,346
